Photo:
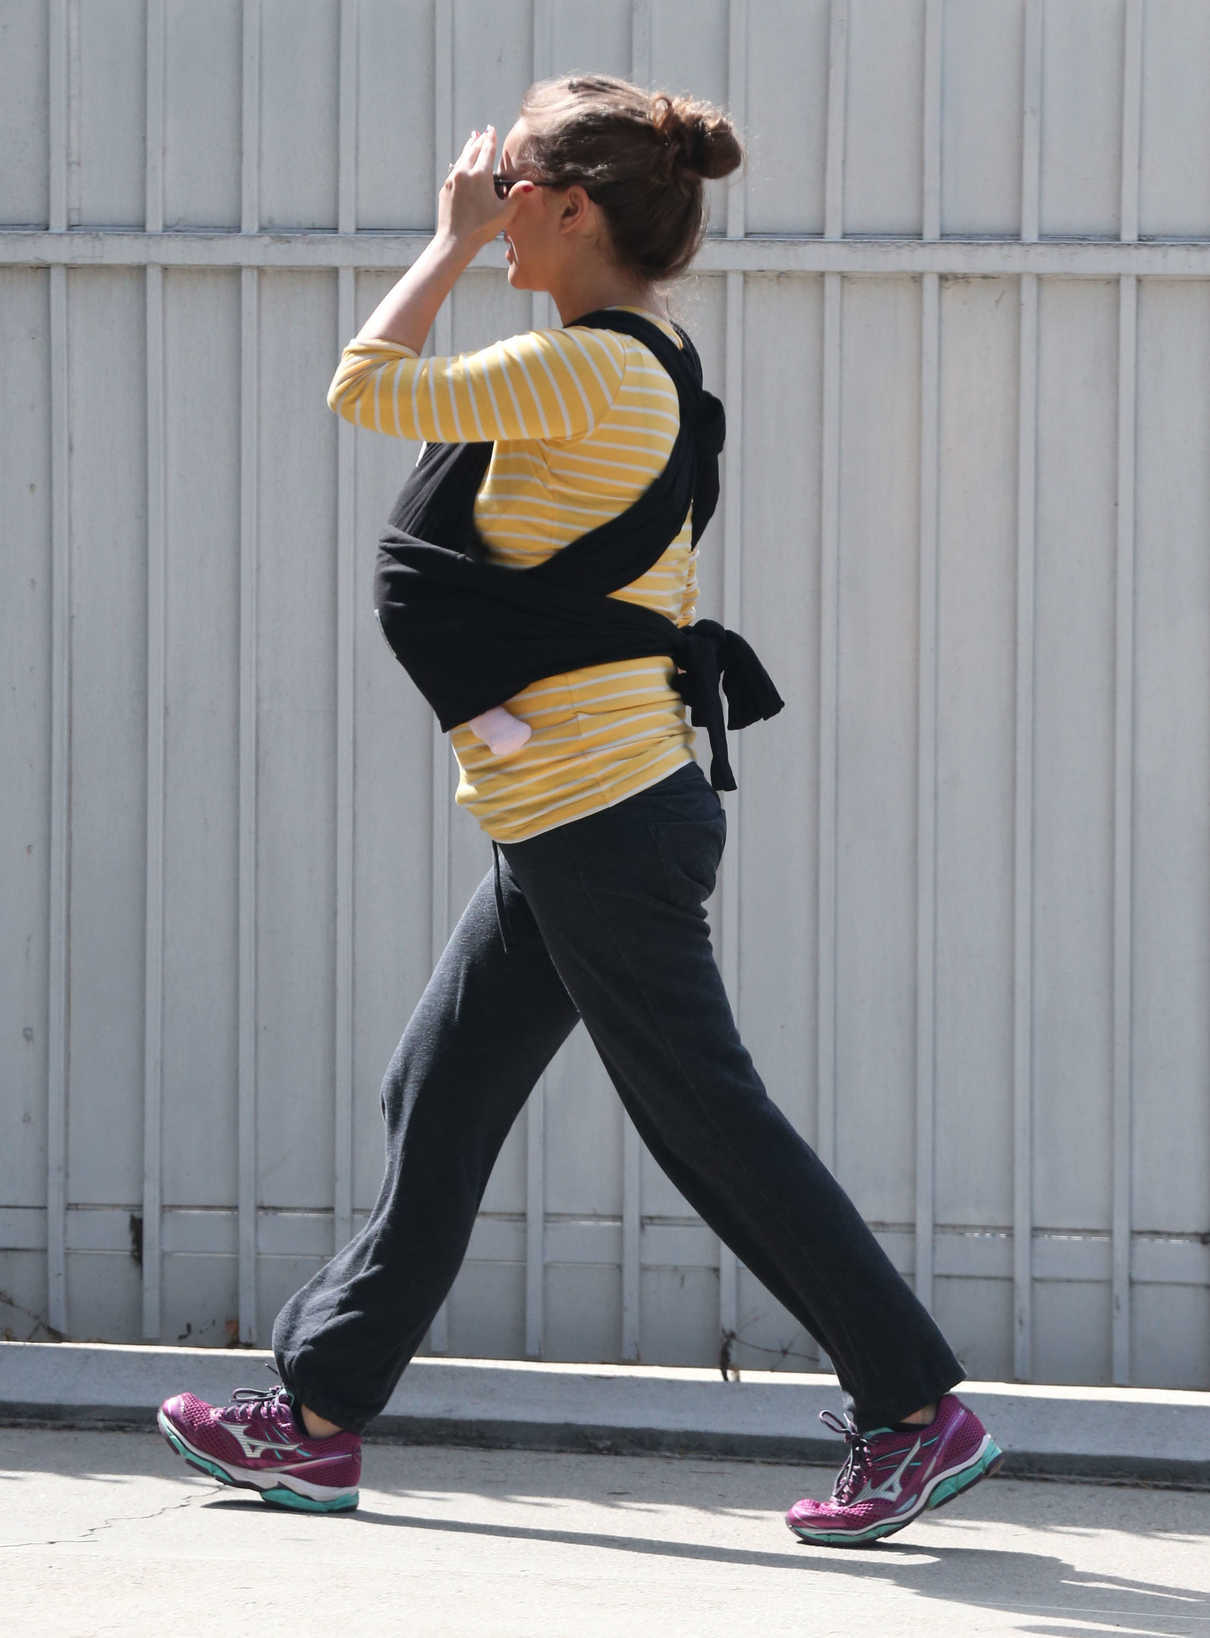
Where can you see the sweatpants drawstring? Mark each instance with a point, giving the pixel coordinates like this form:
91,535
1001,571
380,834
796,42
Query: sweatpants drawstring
501,912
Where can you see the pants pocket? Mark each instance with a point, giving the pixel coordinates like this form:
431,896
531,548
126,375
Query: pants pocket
688,852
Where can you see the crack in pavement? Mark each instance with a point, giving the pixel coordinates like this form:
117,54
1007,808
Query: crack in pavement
106,1524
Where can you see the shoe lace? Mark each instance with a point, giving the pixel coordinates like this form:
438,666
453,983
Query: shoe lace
857,1462
248,1402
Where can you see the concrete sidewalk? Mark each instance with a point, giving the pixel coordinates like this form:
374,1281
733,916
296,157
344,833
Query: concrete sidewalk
1139,1434
108,1533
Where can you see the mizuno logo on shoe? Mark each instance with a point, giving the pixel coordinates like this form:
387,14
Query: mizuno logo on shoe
891,1488
255,1448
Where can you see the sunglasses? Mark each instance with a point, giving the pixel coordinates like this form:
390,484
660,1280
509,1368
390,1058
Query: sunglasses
503,182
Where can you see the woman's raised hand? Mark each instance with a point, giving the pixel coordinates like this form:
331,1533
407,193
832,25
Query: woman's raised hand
468,209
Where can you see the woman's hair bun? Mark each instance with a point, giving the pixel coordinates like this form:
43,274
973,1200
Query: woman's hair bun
700,135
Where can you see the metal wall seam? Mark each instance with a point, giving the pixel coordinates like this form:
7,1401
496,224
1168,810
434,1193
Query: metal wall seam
829,717
1132,116
1031,123
61,90
1023,857
733,552
838,82
1124,672
829,593
250,120
535,1108
757,253
59,863
926,787
1023,819
1123,832
640,42
632,1165
444,151
157,685
934,23
346,657
249,553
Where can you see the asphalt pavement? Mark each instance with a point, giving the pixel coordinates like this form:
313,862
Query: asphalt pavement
109,1532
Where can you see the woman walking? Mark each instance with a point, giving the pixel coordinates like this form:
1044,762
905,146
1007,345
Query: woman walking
538,579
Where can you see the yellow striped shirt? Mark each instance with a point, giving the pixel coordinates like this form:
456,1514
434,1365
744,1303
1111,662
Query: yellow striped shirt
582,421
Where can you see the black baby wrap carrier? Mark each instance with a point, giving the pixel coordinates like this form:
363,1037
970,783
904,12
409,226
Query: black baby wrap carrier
471,633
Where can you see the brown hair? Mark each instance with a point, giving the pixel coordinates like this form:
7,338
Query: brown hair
640,155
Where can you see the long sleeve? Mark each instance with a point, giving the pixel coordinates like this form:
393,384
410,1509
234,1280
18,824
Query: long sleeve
551,384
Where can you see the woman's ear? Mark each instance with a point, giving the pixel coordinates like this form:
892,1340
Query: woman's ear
576,210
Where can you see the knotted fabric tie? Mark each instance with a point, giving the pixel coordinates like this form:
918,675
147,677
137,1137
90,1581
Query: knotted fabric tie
712,657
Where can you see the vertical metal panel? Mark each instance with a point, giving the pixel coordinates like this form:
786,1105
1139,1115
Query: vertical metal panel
250,118
640,41
1132,112
25,747
934,18
1031,125
202,123
299,178
838,81
1081,117
157,614
60,818
297,753
249,416
778,849
1175,145
1171,819
395,157
982,66
203,458
1123,830
59,73
876,785
110,113
60,683
1123,754
883,140
926,788
1073,768
926,777
829,708
25,93
346,639
829,592
1023,875
786,130
973,982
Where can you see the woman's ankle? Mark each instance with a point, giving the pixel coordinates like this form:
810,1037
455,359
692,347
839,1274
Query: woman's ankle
922,1417
317,1426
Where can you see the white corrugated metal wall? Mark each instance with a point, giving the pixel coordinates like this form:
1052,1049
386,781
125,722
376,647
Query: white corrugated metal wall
959,308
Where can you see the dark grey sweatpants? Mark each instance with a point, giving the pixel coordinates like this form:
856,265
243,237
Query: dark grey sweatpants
603,920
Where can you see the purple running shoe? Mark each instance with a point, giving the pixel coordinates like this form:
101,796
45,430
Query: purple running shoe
890,1477
256,1443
